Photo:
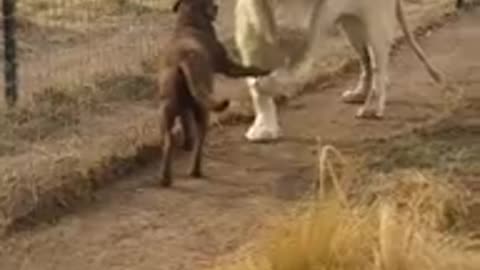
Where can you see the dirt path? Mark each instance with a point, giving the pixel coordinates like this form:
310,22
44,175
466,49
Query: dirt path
136,226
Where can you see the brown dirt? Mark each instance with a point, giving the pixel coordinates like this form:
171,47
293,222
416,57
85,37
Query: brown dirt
134,225
51,137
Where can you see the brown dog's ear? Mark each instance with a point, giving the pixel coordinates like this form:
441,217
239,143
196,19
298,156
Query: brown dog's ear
176,5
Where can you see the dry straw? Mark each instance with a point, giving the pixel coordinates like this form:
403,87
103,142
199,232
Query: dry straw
398,230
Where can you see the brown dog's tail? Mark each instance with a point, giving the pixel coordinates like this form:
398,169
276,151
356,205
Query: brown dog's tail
434,73
199,80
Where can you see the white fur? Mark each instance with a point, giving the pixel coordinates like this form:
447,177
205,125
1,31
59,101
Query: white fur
256,40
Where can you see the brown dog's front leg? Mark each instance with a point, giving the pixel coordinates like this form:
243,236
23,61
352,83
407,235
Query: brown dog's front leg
225,65
166,132
186,119
235,70
166,170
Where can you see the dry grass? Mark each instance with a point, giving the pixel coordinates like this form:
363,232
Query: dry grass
57,112
55,179
80,14
48,25
451,148
402,227
45,163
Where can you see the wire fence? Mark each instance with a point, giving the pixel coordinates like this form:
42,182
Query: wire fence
57,42
52,42
10,51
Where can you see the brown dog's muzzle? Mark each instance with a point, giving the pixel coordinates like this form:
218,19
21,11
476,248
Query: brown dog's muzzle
208,6
214,11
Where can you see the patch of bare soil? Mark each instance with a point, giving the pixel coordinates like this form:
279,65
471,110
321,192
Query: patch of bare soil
135,225
55,130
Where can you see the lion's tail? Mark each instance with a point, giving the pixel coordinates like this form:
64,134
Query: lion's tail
434,73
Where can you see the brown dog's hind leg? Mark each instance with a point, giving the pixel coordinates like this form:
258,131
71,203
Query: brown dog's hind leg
186,119
201,126
167,121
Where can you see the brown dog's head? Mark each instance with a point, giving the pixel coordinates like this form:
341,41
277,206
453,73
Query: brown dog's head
207,8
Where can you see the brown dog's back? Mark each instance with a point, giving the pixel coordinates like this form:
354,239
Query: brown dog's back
188,74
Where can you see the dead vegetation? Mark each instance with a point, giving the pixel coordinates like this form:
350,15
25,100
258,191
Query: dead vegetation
46,25
403,220
411,202
80,15
56,113
48,140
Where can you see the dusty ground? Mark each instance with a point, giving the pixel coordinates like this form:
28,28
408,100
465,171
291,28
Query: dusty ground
135,225
96,77
89,92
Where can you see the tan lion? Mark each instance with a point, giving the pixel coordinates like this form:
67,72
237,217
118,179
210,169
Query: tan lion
369,26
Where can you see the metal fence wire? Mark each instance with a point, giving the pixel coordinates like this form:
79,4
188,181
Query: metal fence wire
56,42
10,51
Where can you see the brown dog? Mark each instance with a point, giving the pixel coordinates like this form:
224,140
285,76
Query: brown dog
193,56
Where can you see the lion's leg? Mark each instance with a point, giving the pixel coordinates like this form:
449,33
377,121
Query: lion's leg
374,106
266,124
323,17
356,34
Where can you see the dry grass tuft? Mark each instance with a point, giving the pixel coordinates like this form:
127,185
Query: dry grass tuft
57,112
51,183
398,230
424,197
77,14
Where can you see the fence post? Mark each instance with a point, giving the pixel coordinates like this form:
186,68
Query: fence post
10,51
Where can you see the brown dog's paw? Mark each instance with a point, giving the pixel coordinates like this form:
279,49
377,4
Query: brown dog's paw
222,105
166,181
263,72
196,174
187,145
